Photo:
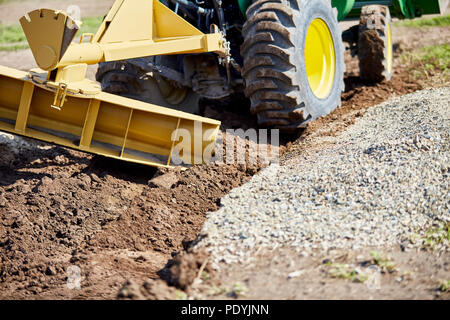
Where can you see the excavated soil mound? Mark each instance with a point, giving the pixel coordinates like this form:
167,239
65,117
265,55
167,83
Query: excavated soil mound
60,207
169,213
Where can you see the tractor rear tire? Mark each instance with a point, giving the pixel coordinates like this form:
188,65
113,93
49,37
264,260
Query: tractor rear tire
129,80
375,44
293,61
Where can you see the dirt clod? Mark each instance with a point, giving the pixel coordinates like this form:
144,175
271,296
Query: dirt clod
187,267
165,181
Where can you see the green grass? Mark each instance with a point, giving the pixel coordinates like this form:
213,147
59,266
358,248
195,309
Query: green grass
383,261
444,286
12,36
90,24
436,56
343,271
429,61
434,238
428,22
7,1
438,235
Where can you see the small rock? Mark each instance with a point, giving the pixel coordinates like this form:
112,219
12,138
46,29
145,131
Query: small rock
95,178
46,181
140,259
295,274
50,271
86,179
36,290
304,254
2,202
165,181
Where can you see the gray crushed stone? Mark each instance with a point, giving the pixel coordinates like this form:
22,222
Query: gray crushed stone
383,179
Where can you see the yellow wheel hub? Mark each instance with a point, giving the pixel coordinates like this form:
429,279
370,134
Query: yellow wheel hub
320,59
389,49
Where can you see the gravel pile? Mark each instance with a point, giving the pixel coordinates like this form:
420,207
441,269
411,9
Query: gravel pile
378,183
12,147
16,143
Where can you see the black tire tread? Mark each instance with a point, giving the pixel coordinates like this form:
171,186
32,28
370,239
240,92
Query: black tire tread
266,51
372,43
269,68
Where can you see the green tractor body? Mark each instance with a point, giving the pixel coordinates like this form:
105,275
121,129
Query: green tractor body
409,9
402,9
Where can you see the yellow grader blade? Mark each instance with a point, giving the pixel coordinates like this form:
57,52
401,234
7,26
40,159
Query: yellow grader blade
105,124
59,105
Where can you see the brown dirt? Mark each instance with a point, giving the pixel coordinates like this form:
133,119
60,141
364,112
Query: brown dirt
60,207
308,275
123,223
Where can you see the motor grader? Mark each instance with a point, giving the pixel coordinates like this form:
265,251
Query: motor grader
159,57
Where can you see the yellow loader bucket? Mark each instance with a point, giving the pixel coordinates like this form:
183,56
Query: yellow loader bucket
104,124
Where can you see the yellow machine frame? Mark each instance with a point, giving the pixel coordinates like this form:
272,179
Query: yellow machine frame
57,104
132,29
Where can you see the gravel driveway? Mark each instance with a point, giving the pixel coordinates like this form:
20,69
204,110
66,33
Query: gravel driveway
381,181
